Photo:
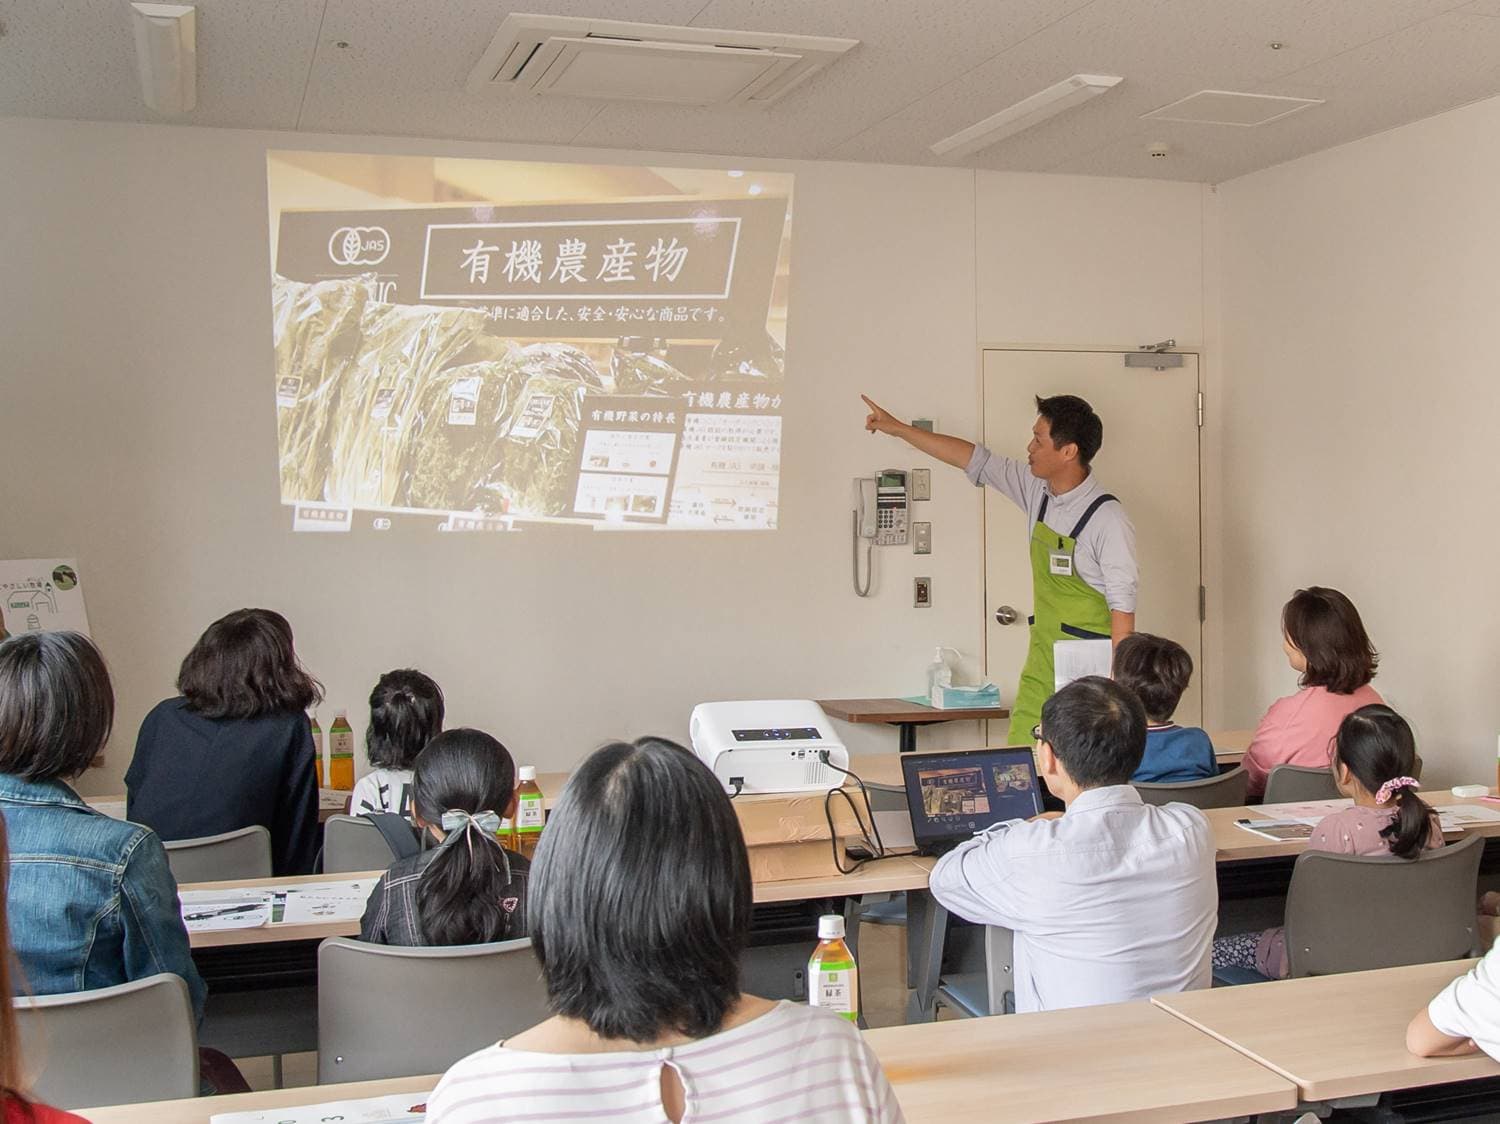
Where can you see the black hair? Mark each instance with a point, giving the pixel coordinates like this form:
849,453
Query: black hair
1097,729
1072,421
1376,745
56,705
243,666
640,895
458,895
406,712
1155,669
1325,627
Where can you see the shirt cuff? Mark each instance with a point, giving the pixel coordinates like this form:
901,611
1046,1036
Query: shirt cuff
980,458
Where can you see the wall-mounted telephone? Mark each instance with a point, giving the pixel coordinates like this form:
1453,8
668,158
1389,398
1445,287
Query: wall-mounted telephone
881,504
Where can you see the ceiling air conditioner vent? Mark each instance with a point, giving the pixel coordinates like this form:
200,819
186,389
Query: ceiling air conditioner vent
609,59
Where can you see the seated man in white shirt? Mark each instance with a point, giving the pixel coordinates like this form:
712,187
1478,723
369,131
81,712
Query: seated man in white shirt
1463,1018
1113,899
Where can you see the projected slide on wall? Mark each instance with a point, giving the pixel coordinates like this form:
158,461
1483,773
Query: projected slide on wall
479,344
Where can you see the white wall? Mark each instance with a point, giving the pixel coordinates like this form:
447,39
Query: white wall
139,437
1360,298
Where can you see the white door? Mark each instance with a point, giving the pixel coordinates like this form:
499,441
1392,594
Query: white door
1149,460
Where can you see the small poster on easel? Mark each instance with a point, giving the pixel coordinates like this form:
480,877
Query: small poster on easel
41,595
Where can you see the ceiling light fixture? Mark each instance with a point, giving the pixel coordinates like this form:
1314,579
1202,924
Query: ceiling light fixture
166,55
1026,113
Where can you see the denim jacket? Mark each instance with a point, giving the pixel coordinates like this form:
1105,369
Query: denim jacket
92,902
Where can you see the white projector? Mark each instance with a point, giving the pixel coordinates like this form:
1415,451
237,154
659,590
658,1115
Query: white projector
768,745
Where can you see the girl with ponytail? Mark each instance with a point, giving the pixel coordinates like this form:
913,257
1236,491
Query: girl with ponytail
467,888
1374,762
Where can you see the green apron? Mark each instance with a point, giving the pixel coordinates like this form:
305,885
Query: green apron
1066,608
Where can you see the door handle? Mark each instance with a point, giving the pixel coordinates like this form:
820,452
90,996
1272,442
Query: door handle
1005,615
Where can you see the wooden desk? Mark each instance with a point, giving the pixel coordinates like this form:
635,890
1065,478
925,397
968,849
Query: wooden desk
1030,1068
1144,1065
331,802
904,715
1333,1036
885,876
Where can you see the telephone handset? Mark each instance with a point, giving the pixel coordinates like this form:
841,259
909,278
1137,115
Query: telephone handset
881,504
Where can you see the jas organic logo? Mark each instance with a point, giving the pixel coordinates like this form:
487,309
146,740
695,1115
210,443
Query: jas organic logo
359,245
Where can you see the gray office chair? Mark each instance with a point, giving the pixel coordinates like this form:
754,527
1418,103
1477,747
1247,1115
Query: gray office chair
86,1048
982,984
1352,913
465,997
1227,790
353,844
245,853
1289,784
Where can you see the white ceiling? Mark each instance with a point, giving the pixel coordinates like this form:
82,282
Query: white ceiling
924,69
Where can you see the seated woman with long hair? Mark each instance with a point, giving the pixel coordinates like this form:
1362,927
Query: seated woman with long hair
639,906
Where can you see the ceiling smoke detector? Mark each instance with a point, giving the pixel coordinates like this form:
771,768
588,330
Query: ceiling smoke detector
619,61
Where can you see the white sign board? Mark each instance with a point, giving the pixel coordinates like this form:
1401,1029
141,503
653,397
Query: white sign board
42,595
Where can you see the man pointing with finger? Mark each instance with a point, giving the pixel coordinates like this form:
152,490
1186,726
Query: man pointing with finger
1083,566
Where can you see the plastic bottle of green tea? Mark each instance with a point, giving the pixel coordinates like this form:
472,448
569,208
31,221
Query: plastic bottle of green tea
529,813
832,977
322,766
341,753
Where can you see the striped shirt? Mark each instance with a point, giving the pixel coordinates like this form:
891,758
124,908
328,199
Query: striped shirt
793,1063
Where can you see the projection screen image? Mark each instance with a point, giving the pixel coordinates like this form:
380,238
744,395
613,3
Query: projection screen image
478,344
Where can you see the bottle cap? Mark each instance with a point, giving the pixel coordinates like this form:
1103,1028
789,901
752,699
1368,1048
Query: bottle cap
830,927
527,773
341,713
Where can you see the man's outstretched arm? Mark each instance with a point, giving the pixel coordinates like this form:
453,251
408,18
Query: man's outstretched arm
950,450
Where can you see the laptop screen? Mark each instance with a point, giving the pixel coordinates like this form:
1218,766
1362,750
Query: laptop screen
953,795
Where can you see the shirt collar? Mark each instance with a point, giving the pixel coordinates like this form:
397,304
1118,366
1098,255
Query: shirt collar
37,792
1109,796
1087,487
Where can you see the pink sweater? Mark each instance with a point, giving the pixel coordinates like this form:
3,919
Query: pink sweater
1297,730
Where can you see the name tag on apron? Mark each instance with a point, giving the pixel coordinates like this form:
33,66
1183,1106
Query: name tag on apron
1060,564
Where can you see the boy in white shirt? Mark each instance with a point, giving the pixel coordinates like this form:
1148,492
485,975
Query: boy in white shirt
406,712
1110,901
1463,1018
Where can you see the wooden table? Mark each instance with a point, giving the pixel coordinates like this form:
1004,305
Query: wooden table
1143,1064
905,716
331,802
1333,1036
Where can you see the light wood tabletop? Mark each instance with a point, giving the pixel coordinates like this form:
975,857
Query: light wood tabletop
888,875
1112,1063
1144,1065
1333,1036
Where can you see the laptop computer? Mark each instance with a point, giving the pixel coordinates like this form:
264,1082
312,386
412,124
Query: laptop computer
954,796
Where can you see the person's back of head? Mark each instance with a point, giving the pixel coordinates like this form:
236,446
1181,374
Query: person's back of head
1156,670
244,666
464,782
1375,746
640,895
1097,730
1325,627
56,705
1072,421
406,712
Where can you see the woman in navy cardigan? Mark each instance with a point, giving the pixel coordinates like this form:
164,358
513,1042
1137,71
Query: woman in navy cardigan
234,749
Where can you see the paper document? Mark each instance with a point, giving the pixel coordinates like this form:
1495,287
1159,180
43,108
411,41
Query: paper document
1282,831
369,1110
326,901
205,911
1456,816
332,799
1073,659
1306,811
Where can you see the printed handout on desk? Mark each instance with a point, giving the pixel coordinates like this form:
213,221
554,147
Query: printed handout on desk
1310,812
410,1107
333,799
207,911
1073,659
1456,817
326,901
1282,831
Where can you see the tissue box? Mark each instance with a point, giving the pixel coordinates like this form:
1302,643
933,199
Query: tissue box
945,698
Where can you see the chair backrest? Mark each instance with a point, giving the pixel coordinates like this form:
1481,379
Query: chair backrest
466,997
352,844
999,968
87,1048
1291,784
1352,913
245,853
1227,790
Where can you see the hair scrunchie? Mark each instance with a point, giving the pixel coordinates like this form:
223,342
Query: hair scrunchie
1394,785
